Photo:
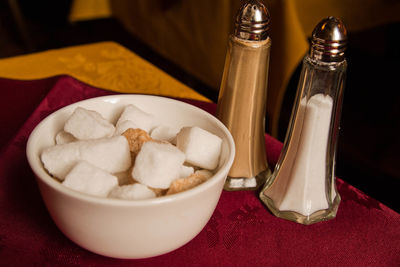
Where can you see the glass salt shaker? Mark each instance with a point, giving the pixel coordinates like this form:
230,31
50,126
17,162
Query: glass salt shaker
302,187
242,98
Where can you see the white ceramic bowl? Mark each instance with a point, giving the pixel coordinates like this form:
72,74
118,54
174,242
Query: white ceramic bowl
124,228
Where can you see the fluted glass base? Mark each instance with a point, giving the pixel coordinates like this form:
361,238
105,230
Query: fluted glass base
244,183
318,216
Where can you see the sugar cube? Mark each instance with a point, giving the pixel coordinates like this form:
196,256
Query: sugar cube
86,124
89,179
183,184
158,164
164,133
63,137
123,126
143,120
132,192
110,154
59,159
136,138
201,147
186,171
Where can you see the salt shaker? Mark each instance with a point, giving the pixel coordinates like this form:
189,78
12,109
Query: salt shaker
242,97
302,187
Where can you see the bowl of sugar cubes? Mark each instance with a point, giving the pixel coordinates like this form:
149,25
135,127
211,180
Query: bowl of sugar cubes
130,176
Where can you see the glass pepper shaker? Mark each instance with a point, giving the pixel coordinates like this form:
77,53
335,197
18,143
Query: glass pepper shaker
302,187
242,97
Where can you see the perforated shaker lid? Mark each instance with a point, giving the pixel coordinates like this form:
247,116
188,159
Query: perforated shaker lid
329,40
252,21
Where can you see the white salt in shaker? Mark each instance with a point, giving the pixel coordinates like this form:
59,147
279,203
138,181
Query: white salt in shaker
243,93
302,187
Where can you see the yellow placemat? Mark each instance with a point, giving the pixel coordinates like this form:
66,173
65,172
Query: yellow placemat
105,65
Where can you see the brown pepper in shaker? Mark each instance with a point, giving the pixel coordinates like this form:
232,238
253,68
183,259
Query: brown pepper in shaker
243,94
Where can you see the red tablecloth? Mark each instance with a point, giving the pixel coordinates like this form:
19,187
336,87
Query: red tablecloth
240,232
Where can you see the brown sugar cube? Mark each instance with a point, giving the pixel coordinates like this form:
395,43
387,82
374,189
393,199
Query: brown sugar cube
136,138
158,191
183,184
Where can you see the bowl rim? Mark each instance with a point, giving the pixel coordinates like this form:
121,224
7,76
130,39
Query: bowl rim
42,175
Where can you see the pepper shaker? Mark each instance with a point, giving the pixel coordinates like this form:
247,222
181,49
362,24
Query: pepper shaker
302,187
242,97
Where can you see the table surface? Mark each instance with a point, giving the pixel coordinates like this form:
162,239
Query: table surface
241,231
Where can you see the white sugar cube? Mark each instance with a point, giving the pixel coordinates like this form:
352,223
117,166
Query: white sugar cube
86,178
123,126
132,192
88,124
201,147
64,138
110,154
158,164
143,120
59,159
164,133
186,171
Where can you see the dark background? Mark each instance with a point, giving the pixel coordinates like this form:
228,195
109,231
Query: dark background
369,146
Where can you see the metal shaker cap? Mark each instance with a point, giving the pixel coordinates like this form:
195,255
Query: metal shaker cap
329,40
252,21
